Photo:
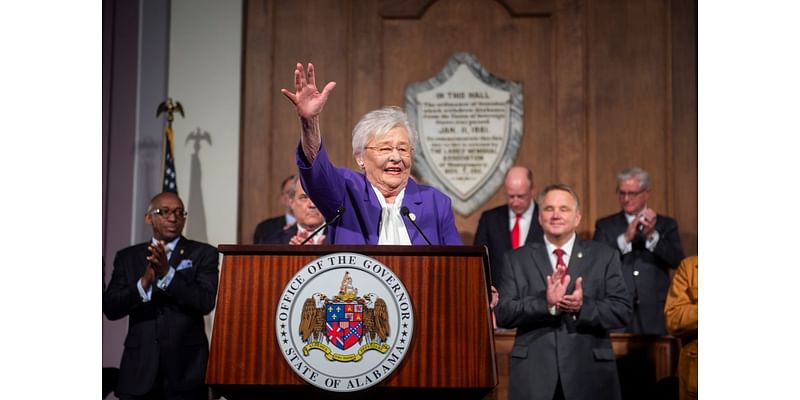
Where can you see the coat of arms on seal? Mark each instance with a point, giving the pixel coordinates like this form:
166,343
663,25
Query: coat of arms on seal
344,322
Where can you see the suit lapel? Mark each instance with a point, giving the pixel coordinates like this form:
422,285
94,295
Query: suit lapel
542,260
621,222
140,266
506,223
372,209
413,200
179,253
577,263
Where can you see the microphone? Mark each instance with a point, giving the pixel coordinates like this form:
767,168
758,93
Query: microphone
339,212
411,217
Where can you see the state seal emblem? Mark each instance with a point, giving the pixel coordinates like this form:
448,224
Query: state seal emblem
336,338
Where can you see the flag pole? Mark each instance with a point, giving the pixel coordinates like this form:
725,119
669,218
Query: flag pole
168,142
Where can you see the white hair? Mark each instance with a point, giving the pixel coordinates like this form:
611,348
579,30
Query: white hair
378,123
635,173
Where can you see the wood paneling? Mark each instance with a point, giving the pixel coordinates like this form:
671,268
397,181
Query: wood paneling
684,121
519,49
258,189
607,84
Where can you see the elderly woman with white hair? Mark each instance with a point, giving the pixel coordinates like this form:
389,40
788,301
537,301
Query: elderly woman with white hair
381,204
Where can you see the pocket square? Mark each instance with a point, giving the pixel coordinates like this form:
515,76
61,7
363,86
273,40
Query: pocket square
184,265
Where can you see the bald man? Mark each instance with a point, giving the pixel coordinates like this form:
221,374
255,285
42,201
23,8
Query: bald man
164,286
513,224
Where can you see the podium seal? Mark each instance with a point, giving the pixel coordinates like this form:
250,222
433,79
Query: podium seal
344,322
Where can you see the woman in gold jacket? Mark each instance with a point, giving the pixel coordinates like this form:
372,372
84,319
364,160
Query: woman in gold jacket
681,314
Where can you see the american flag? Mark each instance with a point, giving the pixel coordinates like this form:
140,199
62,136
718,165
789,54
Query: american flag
169,183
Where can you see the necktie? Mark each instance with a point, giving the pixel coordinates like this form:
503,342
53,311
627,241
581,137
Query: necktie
560,254
515,233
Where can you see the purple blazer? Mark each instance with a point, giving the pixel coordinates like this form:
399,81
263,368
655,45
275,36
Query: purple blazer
330,187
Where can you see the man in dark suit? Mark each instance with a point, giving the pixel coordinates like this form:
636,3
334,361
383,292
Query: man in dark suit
308,220
563,296
650,248
270,227
516,221
164,287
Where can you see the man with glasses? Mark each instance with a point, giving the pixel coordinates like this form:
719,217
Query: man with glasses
275,226
649,245
164,287
308,220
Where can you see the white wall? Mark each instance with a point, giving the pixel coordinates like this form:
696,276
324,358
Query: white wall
204,75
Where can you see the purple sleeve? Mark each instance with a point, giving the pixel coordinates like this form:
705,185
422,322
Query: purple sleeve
447,223
322,181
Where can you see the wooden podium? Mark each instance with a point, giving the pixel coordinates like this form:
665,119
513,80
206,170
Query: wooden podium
451,355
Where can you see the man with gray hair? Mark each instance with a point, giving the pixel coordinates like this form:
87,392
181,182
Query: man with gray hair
649,245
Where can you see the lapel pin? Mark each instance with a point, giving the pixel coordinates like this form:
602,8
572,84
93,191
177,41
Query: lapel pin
182,252
580,254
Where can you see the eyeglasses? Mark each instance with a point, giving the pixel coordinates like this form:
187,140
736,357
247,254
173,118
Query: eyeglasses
165,212
629,194
383,151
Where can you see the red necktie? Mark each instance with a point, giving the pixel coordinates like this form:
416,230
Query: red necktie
515,233
560,254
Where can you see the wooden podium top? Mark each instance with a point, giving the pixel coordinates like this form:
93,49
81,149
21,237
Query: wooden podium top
279,249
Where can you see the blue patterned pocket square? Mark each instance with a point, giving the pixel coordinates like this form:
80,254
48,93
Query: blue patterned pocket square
184,265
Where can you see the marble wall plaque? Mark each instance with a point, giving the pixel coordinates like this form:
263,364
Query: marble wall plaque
470,128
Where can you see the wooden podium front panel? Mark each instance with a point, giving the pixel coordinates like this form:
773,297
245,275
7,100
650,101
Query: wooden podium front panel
452,344
243,344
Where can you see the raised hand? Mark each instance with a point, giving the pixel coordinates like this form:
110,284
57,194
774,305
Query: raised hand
307,99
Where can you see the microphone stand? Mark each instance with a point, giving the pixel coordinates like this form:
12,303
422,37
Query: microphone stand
339,213
411,217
